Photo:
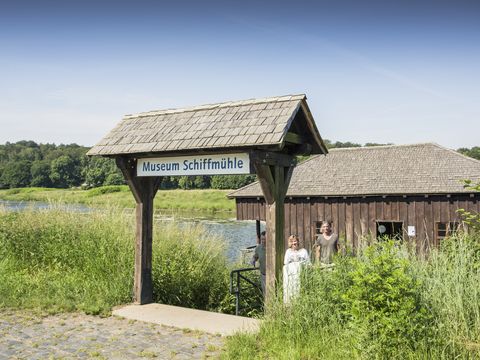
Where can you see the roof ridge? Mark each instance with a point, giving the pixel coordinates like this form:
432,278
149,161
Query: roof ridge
243,188
457,153
219,105
353,148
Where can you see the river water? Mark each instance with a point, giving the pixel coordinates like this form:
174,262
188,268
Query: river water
238,235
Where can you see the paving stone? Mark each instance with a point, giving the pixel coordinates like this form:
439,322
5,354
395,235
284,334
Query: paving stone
78,336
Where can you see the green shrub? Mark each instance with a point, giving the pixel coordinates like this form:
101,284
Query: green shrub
105,190
383,304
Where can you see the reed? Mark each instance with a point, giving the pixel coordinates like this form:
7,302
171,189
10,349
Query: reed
63,261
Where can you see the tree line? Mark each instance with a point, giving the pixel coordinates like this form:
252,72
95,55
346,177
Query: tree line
26,163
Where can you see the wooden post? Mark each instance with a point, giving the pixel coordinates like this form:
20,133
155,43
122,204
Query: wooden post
144,190
257,227
274,172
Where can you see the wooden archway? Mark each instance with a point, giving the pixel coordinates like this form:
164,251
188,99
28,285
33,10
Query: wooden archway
268,133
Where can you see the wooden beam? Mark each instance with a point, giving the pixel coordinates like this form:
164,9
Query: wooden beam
127,167
274,181
265,178
272,158
294,138
258,229
144,190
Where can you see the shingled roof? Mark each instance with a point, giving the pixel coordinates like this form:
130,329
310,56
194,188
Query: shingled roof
380,170
255,123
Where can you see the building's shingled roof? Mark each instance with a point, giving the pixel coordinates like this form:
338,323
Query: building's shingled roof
240,124
381,170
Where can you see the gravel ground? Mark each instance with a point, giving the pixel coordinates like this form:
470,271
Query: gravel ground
27,335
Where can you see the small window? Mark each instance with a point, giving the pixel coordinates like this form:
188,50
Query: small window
445,229
390,229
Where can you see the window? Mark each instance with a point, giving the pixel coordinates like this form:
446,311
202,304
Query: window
445,229
390,229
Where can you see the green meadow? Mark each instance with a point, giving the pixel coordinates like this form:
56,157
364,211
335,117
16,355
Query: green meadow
120,195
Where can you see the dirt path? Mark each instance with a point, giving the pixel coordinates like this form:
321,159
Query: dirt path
25,335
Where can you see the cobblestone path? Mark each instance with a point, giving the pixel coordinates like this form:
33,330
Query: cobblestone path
25,335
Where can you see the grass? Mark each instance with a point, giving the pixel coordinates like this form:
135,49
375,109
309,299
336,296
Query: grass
120,195
64,261
428,309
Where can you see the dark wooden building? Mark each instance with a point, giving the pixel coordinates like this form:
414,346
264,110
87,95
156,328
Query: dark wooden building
411,191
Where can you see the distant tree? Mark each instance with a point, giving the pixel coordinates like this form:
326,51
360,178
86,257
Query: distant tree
186,182
114,179
98,171
474,152
201,182
40,172
2,185
339,144
348,144
65,172
41,157
377,144
169,182
16,174
231,181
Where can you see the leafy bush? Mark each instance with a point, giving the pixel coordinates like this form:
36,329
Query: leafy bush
471,218
106,190
383,304
114,179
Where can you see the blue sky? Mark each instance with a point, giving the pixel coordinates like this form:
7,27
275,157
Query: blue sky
373,71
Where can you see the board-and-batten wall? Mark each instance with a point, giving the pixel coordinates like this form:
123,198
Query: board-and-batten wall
354,217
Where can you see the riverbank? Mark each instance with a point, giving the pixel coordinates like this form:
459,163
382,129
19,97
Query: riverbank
120,195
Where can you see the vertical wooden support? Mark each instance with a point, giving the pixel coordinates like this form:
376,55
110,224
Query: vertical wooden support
257,227
144,190
274,172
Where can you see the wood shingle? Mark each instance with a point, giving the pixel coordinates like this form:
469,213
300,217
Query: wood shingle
256,123
380,170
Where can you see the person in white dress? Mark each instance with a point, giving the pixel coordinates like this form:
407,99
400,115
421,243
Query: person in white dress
295,259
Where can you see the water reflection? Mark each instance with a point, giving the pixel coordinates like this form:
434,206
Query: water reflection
23,205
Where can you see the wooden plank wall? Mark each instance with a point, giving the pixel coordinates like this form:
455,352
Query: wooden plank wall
355,218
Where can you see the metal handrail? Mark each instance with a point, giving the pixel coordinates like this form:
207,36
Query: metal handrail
236,290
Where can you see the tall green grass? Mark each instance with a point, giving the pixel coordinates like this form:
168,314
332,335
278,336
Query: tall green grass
384,304
64,261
